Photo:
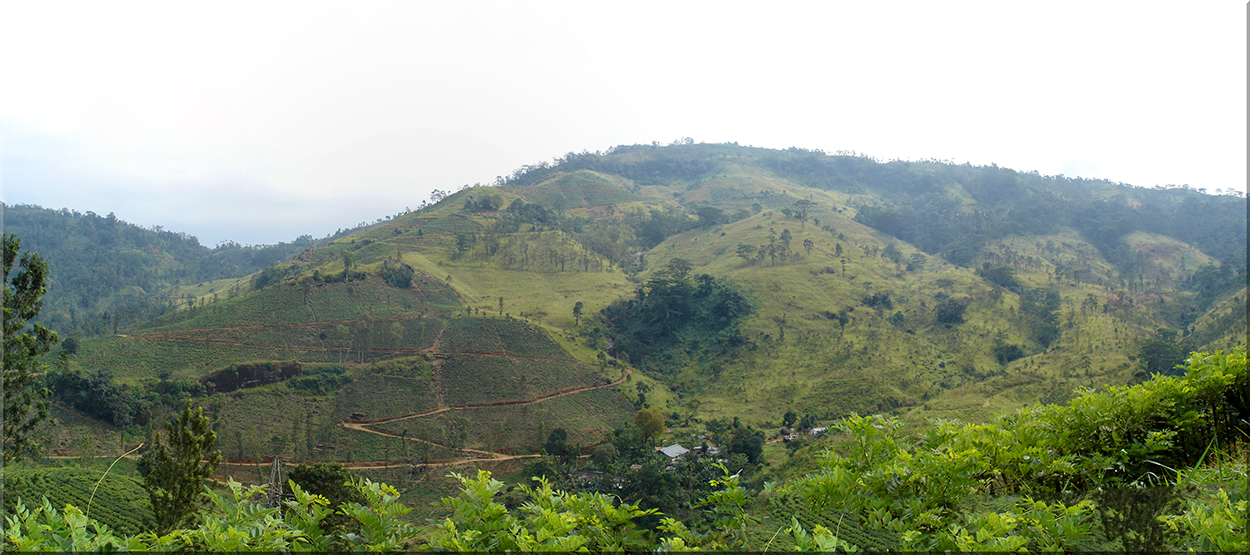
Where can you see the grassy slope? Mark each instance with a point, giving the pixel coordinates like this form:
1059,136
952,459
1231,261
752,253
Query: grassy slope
875,365
323,325
919,368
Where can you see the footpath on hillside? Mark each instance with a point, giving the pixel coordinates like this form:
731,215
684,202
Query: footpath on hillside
365,425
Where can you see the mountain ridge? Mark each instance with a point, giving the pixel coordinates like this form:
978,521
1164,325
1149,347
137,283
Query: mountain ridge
912,287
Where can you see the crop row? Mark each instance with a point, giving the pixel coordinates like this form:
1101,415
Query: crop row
500,336
289,304
468,378
844,525
119,502
587,416
522,339
384,396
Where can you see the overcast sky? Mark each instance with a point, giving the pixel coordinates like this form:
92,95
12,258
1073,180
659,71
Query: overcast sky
261,121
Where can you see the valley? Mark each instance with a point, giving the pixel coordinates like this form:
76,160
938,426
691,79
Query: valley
710,283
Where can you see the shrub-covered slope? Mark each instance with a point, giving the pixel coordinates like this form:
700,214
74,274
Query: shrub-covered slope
927,289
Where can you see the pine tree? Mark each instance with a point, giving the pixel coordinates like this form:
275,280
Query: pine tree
25,402
174,471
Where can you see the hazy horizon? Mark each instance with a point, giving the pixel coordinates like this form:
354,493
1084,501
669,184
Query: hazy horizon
260,122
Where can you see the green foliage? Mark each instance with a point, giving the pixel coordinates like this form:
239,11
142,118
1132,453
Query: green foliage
46,529
174,470
118,502
242,522
950,311
749,442
25,404
1161,354
549,520
398,275
672,313
1120,440
880,300
1215,522
1031,526
555,445
98,395
1003,276
335,484
321,379
381,528
1005,352
1040,310
821,540
650,422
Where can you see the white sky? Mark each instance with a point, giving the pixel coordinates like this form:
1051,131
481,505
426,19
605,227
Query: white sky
260,121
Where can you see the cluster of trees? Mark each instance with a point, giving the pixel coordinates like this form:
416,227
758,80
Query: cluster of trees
398,274
614,240
673,313
686,161
630,467
484,203
1040,310
778,247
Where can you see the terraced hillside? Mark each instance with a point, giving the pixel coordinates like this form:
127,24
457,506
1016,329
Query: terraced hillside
298,363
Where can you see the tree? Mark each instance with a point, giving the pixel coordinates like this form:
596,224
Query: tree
174,470
651,422
604,454
802,207
748,441
747,252
348,262
1161,354
892,253
555,445
950,311
788,419
25,402
680,267
334,482
916,262
709,216
808,244
577,312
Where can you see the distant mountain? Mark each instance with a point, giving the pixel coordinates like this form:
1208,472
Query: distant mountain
107,272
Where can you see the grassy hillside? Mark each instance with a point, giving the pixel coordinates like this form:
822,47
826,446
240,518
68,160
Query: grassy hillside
924,289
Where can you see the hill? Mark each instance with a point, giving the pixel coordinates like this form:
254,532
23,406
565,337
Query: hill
416,375
921,288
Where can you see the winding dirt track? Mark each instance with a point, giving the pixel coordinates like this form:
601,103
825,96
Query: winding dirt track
476,455
362,426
